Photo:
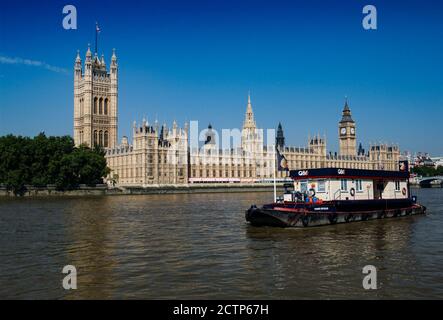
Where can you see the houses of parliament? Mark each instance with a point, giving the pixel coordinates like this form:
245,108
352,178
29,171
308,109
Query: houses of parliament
159,154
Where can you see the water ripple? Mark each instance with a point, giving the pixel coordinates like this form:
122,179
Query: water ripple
199,246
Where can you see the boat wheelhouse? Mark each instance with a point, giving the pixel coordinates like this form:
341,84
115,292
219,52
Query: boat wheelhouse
330,184
335,195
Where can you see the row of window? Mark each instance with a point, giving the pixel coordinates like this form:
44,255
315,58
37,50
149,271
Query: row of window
321,185
101,106
359,185
343,185
129,172
101,138
234,174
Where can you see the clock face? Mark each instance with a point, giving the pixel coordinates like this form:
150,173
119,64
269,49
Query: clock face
352,130
343,131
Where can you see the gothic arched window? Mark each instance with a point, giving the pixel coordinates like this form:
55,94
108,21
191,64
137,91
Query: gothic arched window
105,111
100,107
105,138
95,137
95,105
100,138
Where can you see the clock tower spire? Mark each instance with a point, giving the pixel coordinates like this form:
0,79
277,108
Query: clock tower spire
346,133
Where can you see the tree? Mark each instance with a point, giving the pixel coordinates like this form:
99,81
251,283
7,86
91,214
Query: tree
42,160
82,166
428,171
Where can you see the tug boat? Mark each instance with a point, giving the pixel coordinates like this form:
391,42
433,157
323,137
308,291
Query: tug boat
326,196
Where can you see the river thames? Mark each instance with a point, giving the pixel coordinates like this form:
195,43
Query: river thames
198,246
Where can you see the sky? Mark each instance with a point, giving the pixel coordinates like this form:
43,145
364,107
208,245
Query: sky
197,60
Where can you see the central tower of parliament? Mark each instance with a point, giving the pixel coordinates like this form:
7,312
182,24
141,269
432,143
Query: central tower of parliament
158,154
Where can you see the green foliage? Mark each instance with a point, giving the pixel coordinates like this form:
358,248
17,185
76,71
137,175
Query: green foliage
428,171
42,160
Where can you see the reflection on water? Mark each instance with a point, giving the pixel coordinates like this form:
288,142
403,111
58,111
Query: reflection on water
87,248
199,246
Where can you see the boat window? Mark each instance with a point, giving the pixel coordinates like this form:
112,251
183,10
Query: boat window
397,185
358,185
321,186
303,186
344,185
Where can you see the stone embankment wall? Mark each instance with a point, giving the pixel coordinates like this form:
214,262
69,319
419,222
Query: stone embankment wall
102,190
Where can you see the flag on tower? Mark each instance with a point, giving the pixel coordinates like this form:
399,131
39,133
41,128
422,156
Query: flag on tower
97,31
281,162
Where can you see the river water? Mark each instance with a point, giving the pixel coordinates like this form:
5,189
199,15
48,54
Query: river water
198,246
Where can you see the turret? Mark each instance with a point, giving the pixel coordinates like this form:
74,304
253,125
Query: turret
113,95
78,100
77,71
78,65
88,62
174,128
318,145
113,59
186,129
156,126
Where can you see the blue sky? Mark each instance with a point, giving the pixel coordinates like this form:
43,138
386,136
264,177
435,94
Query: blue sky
189,60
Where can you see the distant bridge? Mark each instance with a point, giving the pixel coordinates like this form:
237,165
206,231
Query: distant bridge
426,181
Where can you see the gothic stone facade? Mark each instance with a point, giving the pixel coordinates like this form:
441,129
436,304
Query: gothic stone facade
379,157
254,162
158,155
248,162
95,101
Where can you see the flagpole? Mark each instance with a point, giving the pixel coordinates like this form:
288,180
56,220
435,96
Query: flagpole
96,36
275,183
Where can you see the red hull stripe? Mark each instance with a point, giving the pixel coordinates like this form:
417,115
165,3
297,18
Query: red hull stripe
286,209
346,177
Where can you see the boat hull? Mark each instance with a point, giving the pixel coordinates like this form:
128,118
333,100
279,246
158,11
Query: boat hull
302,218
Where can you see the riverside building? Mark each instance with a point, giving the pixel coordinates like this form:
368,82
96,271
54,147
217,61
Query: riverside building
159,155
